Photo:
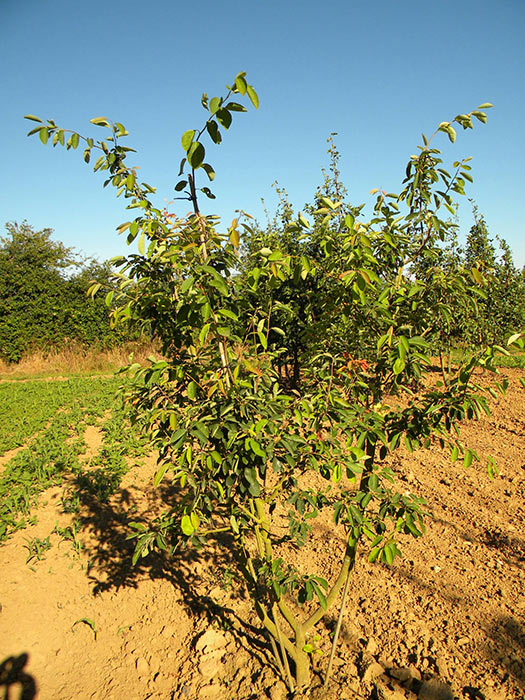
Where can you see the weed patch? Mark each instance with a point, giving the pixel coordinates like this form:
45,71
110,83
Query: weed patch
51,417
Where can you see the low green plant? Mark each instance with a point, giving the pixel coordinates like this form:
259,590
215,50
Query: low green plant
100,483
36,548
244,454
86,621
70,500
54,416
70,533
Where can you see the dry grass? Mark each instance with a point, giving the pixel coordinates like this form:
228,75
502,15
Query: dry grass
76,359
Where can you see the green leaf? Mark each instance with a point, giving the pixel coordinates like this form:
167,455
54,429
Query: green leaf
349,221
86,621
93,289
262,339
188,282
99,121
492,468
44,135
235,107
480,116
160,473
374,553
256,448
241,84
467,460
228,314
180,185
187,139
33,118
196,155
141,243
409,520
303,221
253,96
204,333
186,525
218,281
399,366
215,104
177,435
251,475
389,553
192,390
235,238
224,118
213,131
476,274
514,338
322,597
255,489
210,172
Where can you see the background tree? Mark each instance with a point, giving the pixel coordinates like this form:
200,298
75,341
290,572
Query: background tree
43,301
294,332
500,308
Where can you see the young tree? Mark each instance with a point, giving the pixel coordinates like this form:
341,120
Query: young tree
245,455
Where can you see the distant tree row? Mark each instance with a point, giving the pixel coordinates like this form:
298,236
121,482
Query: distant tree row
496,292
502,308
43,300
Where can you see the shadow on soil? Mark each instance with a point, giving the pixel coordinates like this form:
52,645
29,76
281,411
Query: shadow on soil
509,636
509,548
505,636
13,678
512,549
110,556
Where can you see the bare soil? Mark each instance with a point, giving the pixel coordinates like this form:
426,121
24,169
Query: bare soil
446,621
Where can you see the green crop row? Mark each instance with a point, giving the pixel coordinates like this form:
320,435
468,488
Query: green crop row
51,418
29,406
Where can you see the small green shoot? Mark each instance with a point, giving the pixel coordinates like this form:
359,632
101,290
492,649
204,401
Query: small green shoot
86,621
36,548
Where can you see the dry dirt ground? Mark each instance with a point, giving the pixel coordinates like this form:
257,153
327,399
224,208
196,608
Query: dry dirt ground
446,621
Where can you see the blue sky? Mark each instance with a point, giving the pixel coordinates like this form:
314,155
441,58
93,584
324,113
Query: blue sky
376,73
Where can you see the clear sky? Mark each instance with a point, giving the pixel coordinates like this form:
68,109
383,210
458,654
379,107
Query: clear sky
377,73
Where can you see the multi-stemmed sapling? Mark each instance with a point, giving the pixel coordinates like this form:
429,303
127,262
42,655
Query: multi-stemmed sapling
248,458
